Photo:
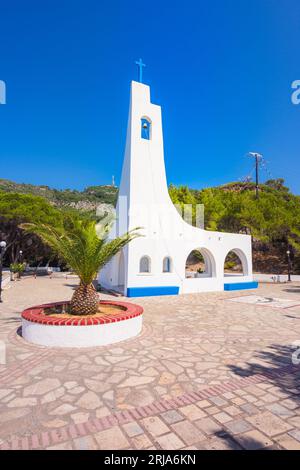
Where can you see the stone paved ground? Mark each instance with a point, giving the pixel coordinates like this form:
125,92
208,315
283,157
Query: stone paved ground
206,373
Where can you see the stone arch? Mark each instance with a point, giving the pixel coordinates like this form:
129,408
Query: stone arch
236,263
145,264
200,262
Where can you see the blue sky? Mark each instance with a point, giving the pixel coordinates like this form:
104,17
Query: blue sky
222,72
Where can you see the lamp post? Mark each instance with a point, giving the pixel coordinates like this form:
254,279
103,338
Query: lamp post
2,251
258,158
21,261
289,264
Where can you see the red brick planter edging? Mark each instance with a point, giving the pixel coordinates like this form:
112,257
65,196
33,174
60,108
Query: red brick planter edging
36,315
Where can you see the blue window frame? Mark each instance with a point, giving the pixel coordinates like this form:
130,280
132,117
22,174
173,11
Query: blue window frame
145,128
167,265
145,264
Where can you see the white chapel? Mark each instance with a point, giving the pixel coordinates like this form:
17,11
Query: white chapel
155,264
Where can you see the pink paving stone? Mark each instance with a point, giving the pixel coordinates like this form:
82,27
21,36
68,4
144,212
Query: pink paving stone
187,432
212,391
97,423
134,413
90,426
5,446
155,426
222,417
194,396
151,408
187,399
171,417
141,410
113,419
204,394
55,436
25,443
73,431
45,439
81,429
105,423
133,429
15,443
35,441
228,387
170,442
170,404
121,418
160,406
178,401
217,389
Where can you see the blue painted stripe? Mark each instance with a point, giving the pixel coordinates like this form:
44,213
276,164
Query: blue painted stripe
149,291
241,285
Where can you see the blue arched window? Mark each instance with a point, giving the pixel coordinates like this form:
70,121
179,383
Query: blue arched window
167,265
145,128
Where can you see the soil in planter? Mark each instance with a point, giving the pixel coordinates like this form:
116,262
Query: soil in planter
63,311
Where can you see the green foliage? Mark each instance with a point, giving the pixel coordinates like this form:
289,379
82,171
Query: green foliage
197,255
229,264
89,197
274,217
18,208
26,207
82,245
277,184
17,267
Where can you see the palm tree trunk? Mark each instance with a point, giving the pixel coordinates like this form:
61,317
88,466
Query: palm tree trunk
85,300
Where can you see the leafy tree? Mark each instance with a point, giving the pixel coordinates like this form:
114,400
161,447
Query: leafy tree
277,184
272,219
18,208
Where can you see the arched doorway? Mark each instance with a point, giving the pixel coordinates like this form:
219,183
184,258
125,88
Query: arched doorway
200,263
235,263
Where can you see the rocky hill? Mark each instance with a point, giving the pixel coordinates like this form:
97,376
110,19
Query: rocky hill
89,199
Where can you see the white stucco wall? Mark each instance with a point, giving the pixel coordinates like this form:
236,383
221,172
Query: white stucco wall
81,336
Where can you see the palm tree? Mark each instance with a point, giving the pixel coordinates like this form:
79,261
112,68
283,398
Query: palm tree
84,246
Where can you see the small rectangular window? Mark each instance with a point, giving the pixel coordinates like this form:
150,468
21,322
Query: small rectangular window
145,128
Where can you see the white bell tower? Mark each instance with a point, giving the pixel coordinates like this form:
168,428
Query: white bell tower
154,264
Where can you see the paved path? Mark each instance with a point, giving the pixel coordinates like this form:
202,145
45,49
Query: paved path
206,373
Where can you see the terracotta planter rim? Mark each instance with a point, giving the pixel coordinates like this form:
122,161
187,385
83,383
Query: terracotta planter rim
35,314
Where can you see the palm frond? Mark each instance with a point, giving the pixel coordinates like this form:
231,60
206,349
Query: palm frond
80,246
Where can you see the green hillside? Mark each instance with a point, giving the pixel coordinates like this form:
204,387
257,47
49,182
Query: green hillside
90,196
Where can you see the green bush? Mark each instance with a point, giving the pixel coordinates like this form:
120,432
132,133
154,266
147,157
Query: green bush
229,265
17,268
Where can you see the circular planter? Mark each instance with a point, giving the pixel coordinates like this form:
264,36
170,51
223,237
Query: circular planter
97,330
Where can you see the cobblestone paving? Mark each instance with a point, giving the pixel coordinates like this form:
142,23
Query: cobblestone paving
205,373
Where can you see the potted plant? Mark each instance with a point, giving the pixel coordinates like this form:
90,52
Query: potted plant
16,269
199,272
